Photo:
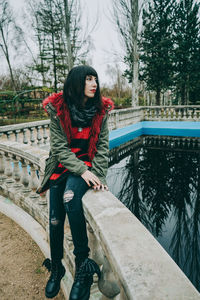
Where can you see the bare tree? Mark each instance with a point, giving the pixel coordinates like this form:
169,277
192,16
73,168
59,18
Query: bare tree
60,37
6,28
126,14
78,40
119,83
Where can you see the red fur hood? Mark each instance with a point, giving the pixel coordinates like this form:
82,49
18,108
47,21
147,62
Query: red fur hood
62,110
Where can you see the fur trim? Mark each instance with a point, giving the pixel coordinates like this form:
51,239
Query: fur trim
58,103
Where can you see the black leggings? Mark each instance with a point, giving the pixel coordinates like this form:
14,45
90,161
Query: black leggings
66,197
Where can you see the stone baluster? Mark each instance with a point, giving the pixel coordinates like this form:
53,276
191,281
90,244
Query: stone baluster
34,181
2,167
8,172
43,196
173,115
17,131
116,119
190,112
107,284
32,136
16,171
147,113
25,139
8,166
39,138
166,113
156,113
8,133
159,113
170,114
25,177
185,113
150,114
179,114
195,114
45,136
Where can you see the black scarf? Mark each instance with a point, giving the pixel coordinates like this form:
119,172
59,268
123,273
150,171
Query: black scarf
82,117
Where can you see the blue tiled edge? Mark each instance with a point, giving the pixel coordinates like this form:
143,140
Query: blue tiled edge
123,135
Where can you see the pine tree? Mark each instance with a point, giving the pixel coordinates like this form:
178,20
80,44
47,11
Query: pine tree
187,51
156,47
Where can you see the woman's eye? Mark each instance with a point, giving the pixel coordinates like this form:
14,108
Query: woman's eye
90,78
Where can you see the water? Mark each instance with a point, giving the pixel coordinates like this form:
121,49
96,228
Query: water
161,187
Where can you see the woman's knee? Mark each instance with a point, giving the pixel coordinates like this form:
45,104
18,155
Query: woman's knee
71,203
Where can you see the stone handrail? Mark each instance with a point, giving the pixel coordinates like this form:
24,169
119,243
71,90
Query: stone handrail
134,265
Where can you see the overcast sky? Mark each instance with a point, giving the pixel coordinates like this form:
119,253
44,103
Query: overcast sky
105,38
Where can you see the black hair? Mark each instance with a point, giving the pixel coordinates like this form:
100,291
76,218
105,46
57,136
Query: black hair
74,86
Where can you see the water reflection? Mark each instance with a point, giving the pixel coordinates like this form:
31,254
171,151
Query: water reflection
162,188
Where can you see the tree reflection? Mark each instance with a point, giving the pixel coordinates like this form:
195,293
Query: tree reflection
163,187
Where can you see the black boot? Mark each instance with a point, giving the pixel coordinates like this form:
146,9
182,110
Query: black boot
57,272
84,279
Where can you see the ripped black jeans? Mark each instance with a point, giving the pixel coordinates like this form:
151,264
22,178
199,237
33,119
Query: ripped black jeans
66,197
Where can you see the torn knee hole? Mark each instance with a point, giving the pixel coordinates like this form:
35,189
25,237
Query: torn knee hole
55,222
68,196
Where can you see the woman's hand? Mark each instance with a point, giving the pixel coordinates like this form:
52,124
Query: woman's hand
90,178
100,187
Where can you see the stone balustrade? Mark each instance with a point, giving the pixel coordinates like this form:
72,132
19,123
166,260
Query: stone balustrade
36,133
134,266
32,133
172,113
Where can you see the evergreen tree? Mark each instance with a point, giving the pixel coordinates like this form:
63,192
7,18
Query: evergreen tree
156,47
187,51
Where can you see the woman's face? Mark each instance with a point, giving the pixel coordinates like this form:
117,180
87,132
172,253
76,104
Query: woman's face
90,86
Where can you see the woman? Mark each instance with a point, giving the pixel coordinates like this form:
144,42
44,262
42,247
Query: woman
78,161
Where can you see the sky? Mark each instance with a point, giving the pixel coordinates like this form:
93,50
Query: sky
105,37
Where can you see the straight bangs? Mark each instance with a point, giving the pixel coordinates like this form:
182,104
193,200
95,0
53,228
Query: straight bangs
74,87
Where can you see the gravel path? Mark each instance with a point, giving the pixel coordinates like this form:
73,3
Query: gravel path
21,274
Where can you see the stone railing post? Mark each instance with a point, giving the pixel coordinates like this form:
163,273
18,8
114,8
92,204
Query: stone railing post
25,138
2,167
39,138
108,283
25,177
34,181
32,137
45,136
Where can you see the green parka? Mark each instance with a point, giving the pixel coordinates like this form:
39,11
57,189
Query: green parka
60,151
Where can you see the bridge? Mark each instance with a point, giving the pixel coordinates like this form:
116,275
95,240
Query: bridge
134,266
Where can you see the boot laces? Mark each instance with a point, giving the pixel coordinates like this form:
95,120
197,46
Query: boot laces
85,272
52,267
